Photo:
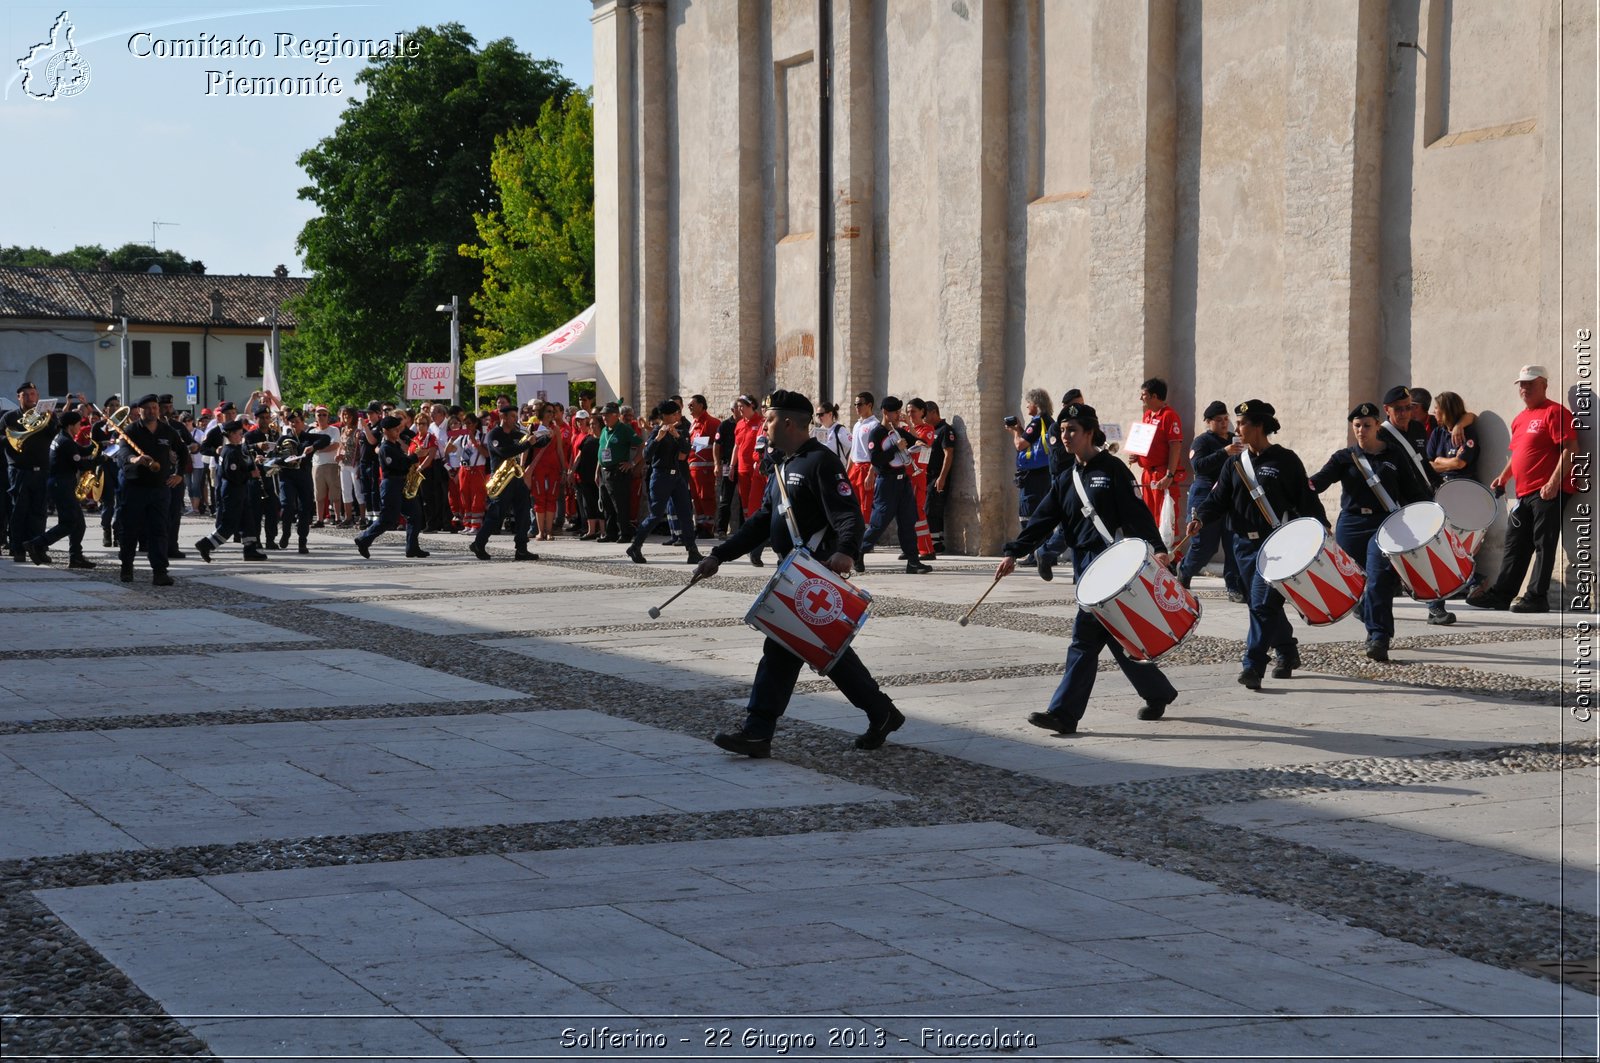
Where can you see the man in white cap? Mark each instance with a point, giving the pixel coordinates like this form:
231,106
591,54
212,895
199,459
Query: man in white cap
1543,440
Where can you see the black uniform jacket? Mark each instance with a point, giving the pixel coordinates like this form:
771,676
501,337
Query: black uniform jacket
1207,455
35,453
1359,500
394,463
1112,492
235,463
1282,477
1415,434
505,444
823,501
887,443
667,454
67,457
157,445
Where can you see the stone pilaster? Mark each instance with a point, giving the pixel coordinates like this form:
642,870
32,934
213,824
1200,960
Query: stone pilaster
613,197
652,191
851,200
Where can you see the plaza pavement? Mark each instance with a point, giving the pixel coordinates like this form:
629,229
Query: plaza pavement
322,807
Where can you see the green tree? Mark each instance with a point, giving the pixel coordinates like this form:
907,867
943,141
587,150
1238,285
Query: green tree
537,249
398,183
129,258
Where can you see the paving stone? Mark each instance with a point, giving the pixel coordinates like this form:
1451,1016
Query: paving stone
542,611
384,582
58,593
156,627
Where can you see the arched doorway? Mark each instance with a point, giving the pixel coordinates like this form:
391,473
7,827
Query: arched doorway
59,375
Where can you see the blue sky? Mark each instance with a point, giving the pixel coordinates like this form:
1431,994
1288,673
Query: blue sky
143,142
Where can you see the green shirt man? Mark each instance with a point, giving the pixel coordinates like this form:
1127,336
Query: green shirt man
617,441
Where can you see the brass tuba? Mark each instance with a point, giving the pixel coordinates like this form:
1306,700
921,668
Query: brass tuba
92,482
30,424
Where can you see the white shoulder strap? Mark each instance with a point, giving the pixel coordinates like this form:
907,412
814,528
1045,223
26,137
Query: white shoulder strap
1373,482
1088,508
1248,470
1411,451
788,514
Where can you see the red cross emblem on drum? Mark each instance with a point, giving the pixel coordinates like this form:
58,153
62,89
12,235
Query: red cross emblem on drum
1169,596
818,602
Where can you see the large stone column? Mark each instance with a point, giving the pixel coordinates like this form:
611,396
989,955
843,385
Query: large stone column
1132,175
653,191
613,197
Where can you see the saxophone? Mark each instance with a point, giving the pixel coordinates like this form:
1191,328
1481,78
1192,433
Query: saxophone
91,482
504,474
413,480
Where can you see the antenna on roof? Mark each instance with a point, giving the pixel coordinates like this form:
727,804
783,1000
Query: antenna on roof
157,224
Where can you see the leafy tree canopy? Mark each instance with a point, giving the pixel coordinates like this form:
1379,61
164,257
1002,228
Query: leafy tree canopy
537,249
398,183
129,258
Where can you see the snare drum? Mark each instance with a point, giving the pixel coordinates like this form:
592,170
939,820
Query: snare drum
1469,509
811,612
1140,602
1430,559
1304,564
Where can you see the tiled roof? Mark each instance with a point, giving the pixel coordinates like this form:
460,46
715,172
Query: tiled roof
147,298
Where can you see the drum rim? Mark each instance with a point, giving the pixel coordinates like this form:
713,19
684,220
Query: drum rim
1327,536
1394,550
1482,493
1149,553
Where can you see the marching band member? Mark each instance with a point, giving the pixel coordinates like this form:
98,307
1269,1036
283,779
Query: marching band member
297,489
1263,485
1376,483
1405,424
823,505
1096,492
1210,451
111,463
508,442
663,457
237,471
29,473
395,463
147,478
183,449
68,459
261,520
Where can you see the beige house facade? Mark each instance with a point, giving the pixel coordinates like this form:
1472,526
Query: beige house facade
1303,201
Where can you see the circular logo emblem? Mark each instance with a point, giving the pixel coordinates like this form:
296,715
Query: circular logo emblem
818,602
1458,545
66,74
1344,562
1168,595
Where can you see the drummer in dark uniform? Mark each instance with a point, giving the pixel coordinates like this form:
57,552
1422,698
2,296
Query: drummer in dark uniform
1113,499
1279,492
1376,483
147,480
828,518
1405,425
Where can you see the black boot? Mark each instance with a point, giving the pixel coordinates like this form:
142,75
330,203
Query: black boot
253,552
77,560
304,549
105,537
283,540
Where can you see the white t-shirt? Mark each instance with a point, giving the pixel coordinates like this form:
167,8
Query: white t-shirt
860,436
325,456
835,438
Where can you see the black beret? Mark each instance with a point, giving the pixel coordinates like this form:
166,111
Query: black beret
1398,393
70,418
1366,409
1081,413
790,402
374,406
1255,409
1217,408
165,400
230,427
226,406
25,386
146,398
391,421
260,408
890,404
1072,395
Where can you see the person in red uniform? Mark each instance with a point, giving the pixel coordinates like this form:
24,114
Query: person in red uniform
1539,472
752,484
547,474
1161,469
702,465
916,413
863,478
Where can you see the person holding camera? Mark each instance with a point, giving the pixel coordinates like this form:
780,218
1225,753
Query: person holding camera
1033,465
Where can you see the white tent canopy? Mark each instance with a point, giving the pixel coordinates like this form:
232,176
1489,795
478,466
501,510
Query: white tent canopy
569,349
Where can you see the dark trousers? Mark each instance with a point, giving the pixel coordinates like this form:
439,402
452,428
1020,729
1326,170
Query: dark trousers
668,488
774,686
513,504
297,501
175,497
230,512
588,500
1533,534
617,486
63,492
435,497
5,500
1089,637
1358,537
1269,624
29,500
108,498
264,511
392,505
1203,547
144,522
369,485
727,498
936,499
894,500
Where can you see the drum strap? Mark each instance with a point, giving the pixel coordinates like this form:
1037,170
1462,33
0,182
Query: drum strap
788,513
1411,451
1088,508
1373,482
1248,472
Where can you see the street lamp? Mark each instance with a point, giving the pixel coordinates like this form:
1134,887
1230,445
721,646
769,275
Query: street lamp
454,309
126,380
273,347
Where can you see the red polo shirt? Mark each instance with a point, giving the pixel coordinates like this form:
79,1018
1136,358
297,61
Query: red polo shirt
1169,433
1537,436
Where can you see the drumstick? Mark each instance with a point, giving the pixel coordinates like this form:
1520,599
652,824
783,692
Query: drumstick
655,610
1177,547
963,621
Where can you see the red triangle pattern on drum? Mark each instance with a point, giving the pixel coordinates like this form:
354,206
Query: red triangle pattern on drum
1447,578
1312,614
1420,588
1152,635
1335,597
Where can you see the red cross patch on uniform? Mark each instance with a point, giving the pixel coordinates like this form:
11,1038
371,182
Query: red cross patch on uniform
843,488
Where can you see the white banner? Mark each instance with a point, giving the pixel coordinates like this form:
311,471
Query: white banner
430,380
541,387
